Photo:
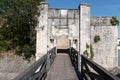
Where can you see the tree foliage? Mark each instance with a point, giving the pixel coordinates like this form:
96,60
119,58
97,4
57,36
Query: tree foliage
17,25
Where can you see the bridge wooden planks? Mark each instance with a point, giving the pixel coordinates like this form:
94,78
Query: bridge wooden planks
62,69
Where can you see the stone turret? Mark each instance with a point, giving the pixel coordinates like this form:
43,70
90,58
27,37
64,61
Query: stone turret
84,21
41,43
84,29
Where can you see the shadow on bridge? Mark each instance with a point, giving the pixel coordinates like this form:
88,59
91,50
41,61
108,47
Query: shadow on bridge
53,66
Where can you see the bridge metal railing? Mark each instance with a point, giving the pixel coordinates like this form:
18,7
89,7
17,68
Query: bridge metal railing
38,71
73,53
92,71
74,57
89,69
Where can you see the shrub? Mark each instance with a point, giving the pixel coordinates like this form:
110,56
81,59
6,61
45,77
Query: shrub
114,21
28,51
96,38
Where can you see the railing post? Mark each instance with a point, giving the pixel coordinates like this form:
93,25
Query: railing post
48,61
82,69
70,51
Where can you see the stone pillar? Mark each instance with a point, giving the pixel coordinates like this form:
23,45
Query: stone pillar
84,27
71,42
41,39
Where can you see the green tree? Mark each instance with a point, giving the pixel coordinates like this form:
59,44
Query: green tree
17,18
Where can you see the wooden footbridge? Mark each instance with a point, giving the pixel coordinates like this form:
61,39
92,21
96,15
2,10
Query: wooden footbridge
64,66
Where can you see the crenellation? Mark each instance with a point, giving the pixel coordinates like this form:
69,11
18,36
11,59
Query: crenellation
71,13
85,4
57,13
76,14
64,13
50,13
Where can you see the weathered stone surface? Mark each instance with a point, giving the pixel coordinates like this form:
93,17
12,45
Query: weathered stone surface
8,76
84,27
12,65
77,24
63,43
115,71
71,13
42,34
101,21
105,50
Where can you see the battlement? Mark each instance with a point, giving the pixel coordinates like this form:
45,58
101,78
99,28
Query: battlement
85,4
63,13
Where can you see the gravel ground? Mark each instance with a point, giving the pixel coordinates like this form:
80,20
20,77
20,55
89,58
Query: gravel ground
12,65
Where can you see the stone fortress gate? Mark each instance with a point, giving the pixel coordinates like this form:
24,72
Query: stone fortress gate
65,28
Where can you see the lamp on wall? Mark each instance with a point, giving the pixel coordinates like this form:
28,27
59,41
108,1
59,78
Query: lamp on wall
75,41
51,40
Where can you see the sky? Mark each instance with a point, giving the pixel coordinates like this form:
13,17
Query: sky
98,7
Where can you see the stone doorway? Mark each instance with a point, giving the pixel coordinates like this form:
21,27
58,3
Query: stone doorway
63,43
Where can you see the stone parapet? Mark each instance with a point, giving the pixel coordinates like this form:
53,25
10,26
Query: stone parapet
101,21
85,4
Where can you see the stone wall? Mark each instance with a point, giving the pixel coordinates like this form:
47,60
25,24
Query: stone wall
84,26
63,23
79,28
105,50
12,65
63,19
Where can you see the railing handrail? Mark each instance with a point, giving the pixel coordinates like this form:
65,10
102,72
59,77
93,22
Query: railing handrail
101,72
74,57
90,70
24,75
41,64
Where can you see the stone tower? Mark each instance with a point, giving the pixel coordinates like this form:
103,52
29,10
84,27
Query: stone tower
84,26
42,35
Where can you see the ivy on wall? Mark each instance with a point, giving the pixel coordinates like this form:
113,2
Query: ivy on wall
86,53
91,52
89,47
